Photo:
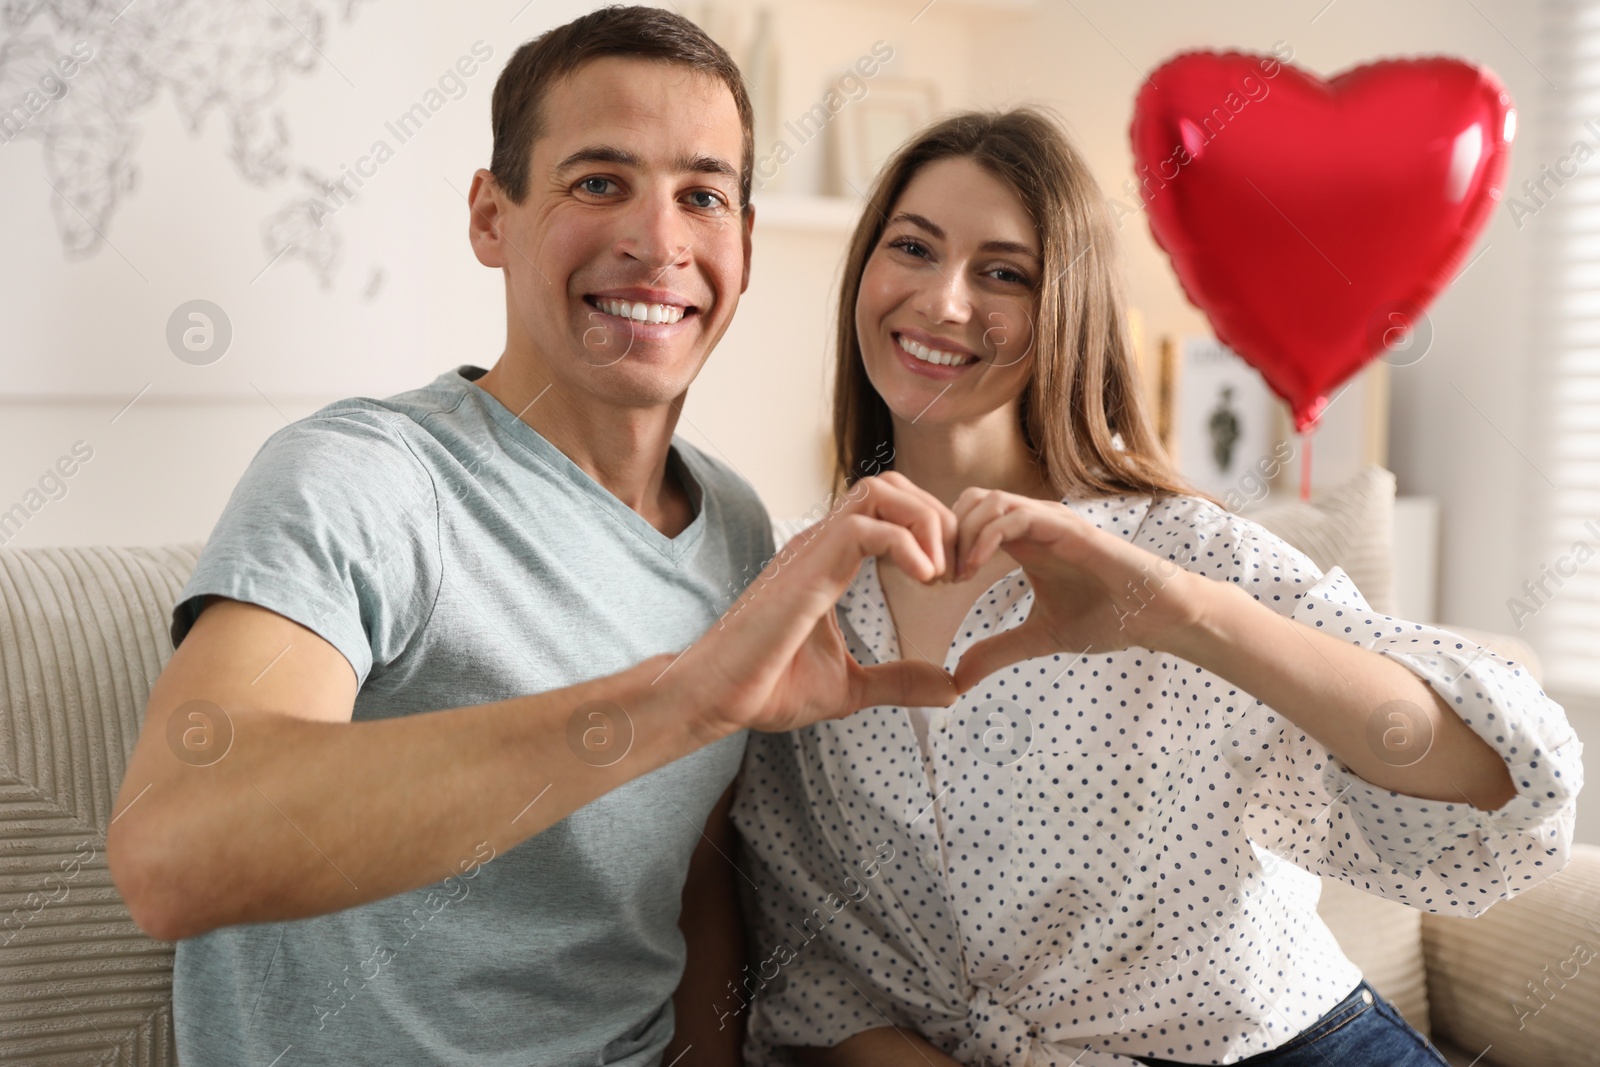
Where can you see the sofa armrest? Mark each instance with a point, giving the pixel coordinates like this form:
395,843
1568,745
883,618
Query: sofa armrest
1522,980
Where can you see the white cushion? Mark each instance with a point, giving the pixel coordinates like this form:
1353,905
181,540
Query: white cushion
1350,524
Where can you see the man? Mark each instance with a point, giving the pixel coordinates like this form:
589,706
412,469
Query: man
452,657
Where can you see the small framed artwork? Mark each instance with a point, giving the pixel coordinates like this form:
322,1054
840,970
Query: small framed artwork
1226,417
867,131
1220,422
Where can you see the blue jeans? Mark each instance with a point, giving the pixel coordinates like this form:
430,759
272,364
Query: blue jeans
1354,1034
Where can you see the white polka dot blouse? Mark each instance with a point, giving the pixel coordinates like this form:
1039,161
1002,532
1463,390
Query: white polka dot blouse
1091,859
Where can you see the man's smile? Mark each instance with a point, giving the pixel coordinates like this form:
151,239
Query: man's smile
648,313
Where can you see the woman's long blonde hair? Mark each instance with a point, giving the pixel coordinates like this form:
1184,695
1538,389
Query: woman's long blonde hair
1085,386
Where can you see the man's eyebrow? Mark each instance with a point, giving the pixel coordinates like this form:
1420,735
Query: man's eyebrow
599,153
937,231
697,164
704,164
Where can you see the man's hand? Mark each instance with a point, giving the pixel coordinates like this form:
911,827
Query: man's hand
778,661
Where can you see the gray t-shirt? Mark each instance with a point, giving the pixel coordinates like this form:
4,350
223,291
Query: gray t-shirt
456,557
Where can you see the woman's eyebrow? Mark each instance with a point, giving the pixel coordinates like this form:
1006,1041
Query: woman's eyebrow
1013,247
918,220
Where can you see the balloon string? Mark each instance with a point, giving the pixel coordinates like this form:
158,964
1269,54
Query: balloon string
1305,466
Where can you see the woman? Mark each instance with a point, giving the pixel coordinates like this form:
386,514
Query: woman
1079,862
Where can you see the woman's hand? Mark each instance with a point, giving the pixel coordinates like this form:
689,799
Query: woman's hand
778,661
1093,592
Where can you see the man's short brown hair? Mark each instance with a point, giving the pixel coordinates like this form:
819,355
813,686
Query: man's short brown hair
638,32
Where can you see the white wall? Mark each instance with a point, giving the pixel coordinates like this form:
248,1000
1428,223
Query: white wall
404,299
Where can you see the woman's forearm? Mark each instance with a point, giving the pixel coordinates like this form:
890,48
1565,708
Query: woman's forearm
886,1046
710,1019
1345,696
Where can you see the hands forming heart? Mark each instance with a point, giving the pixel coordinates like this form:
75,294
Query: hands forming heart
778,660
1093,592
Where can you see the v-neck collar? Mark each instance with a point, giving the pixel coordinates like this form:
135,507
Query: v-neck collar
870,586
682,460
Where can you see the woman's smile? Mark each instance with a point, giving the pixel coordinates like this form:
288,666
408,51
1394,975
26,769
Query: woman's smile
932,357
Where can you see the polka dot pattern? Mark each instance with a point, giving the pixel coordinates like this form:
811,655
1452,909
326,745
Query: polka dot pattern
1141,882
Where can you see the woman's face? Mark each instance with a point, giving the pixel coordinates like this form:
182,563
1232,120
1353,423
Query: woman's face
945,312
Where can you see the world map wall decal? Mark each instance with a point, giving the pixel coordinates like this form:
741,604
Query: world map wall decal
80,78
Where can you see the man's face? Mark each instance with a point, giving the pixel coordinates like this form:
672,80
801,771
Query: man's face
626,258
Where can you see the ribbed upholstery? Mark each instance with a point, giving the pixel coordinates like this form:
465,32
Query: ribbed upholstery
1524,977
83,634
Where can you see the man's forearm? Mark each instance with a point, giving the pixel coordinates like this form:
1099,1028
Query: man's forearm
308,813
304,818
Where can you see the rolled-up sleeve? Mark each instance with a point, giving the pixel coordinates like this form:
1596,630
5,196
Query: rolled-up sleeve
1307,805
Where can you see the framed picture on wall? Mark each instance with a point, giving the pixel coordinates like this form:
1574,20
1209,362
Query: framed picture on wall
1226,419
1219,421
868,130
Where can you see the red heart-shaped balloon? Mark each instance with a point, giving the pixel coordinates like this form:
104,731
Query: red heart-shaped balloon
1314,221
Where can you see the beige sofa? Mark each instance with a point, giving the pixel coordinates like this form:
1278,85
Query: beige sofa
83,634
